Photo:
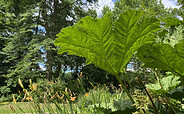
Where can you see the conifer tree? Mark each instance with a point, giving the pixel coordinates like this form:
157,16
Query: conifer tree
28,32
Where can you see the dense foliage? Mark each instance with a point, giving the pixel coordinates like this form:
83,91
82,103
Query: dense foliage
28,31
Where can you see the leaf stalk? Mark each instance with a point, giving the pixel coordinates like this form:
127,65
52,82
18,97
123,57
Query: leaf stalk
125,89
164,95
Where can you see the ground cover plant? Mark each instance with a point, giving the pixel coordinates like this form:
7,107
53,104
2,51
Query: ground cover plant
98,100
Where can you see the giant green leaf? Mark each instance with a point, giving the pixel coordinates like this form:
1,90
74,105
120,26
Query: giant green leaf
106,44
163,56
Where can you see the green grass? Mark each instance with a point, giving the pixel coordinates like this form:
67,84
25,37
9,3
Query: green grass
24,107
82,105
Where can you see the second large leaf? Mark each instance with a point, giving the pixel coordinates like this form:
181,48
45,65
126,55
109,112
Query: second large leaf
109,45
163,56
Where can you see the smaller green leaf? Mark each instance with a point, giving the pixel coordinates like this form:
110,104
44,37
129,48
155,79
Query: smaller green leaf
155,88
122,105
118,106
169,83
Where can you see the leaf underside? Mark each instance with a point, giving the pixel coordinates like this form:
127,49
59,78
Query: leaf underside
108,45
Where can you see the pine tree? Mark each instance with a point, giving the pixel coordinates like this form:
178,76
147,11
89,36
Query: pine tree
28,32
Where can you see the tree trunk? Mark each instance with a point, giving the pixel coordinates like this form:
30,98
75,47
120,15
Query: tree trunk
49,65
58,70
47,30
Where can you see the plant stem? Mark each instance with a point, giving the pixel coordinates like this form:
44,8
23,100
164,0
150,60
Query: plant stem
126,78
129,95
163,91
156,111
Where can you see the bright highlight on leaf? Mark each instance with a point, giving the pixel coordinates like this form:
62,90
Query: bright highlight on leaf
108,45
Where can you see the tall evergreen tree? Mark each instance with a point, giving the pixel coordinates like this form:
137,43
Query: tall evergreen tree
54,16
28,32
18,34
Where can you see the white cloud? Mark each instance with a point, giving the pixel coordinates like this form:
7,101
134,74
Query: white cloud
170,3
101,4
